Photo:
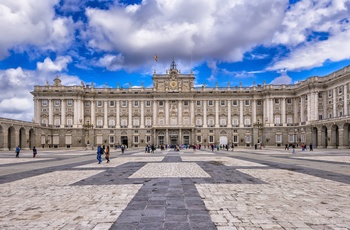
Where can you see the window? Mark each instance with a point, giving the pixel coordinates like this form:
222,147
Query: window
302,137
247,102
136,121
223,102
124,122
69,121
289,119
305,97
319,95
148,103
148,121
198,121
69,102
330,93
57,121
223,122
198,102
111,122
44,102
247,121
99,122
235,121
161,103
111,103
291,138
87,103
136,103
235,139
277,100
148,139
57,102
210,122
320,117
111,139
258,102
99,103
278,138
124,103
277,119
247,139
211,139
340,90
199,138
185,103
136,139
289,101
210,102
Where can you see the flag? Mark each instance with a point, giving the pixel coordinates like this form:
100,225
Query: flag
155,57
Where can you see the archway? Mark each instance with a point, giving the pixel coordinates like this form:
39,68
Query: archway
346,135
314,139
31,138
324,136
335,136
22,138
2,137
11,135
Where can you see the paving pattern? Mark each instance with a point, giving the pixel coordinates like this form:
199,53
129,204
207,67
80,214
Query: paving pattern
244,189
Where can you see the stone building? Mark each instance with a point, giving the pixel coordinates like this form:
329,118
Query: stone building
175,112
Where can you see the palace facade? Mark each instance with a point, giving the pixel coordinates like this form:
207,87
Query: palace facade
175,112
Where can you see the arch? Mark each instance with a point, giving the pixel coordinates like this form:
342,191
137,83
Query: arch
314,137
324,136
223,133
11,135
334,136
2,135
346,135
22,138
31,138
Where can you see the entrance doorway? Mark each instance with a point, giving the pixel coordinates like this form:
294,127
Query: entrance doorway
173,139
124,140
160,140
186,140
223,140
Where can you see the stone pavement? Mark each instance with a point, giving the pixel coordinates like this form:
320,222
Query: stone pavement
245,189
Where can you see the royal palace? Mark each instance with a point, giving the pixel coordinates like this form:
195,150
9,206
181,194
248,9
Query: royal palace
315,111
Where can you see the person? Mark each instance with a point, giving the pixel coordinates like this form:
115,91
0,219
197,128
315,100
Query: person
122,149
311,147
286,147
34,152
17,151
107,153
99,154
233,147
212,147
293,147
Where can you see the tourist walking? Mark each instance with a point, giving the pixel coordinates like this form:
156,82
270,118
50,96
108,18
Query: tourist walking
293,147
99,154
34,152
17,151
311,147
107,154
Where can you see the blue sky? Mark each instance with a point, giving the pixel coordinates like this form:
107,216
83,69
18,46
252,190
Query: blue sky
114,42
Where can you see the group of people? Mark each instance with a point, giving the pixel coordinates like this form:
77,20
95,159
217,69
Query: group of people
303,147
18,150
102,150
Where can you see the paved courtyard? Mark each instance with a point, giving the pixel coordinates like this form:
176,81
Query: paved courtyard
244,189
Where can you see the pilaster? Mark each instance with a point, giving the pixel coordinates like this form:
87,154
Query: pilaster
130,114
63,113
205,125
142,124
117,119
105,113
241,124
217,114
50,112
229,123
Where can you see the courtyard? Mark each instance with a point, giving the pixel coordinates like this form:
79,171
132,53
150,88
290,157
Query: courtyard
245,189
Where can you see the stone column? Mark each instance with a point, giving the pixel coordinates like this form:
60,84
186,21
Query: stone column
341,139
346,112
166,112
5,143
320,139
296,106
241,124
63,113
50,112
155,112
105,113
179,114
75,118
142,124
204,113
82,113
302,109
265,116
36,111
117,119
217,114
254,111
309,106
93,115
325,96
192,112
271,111
229,123
331,142
283,111
130,114
316,106
166,136
334,104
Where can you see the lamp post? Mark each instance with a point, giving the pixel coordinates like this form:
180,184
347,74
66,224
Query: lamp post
259,126
87,127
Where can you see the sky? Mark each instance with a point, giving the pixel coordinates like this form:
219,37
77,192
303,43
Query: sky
113,42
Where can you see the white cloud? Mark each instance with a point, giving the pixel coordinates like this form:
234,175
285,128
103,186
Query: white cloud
282,79
222,30
58,65
314,54
32,23
111,62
